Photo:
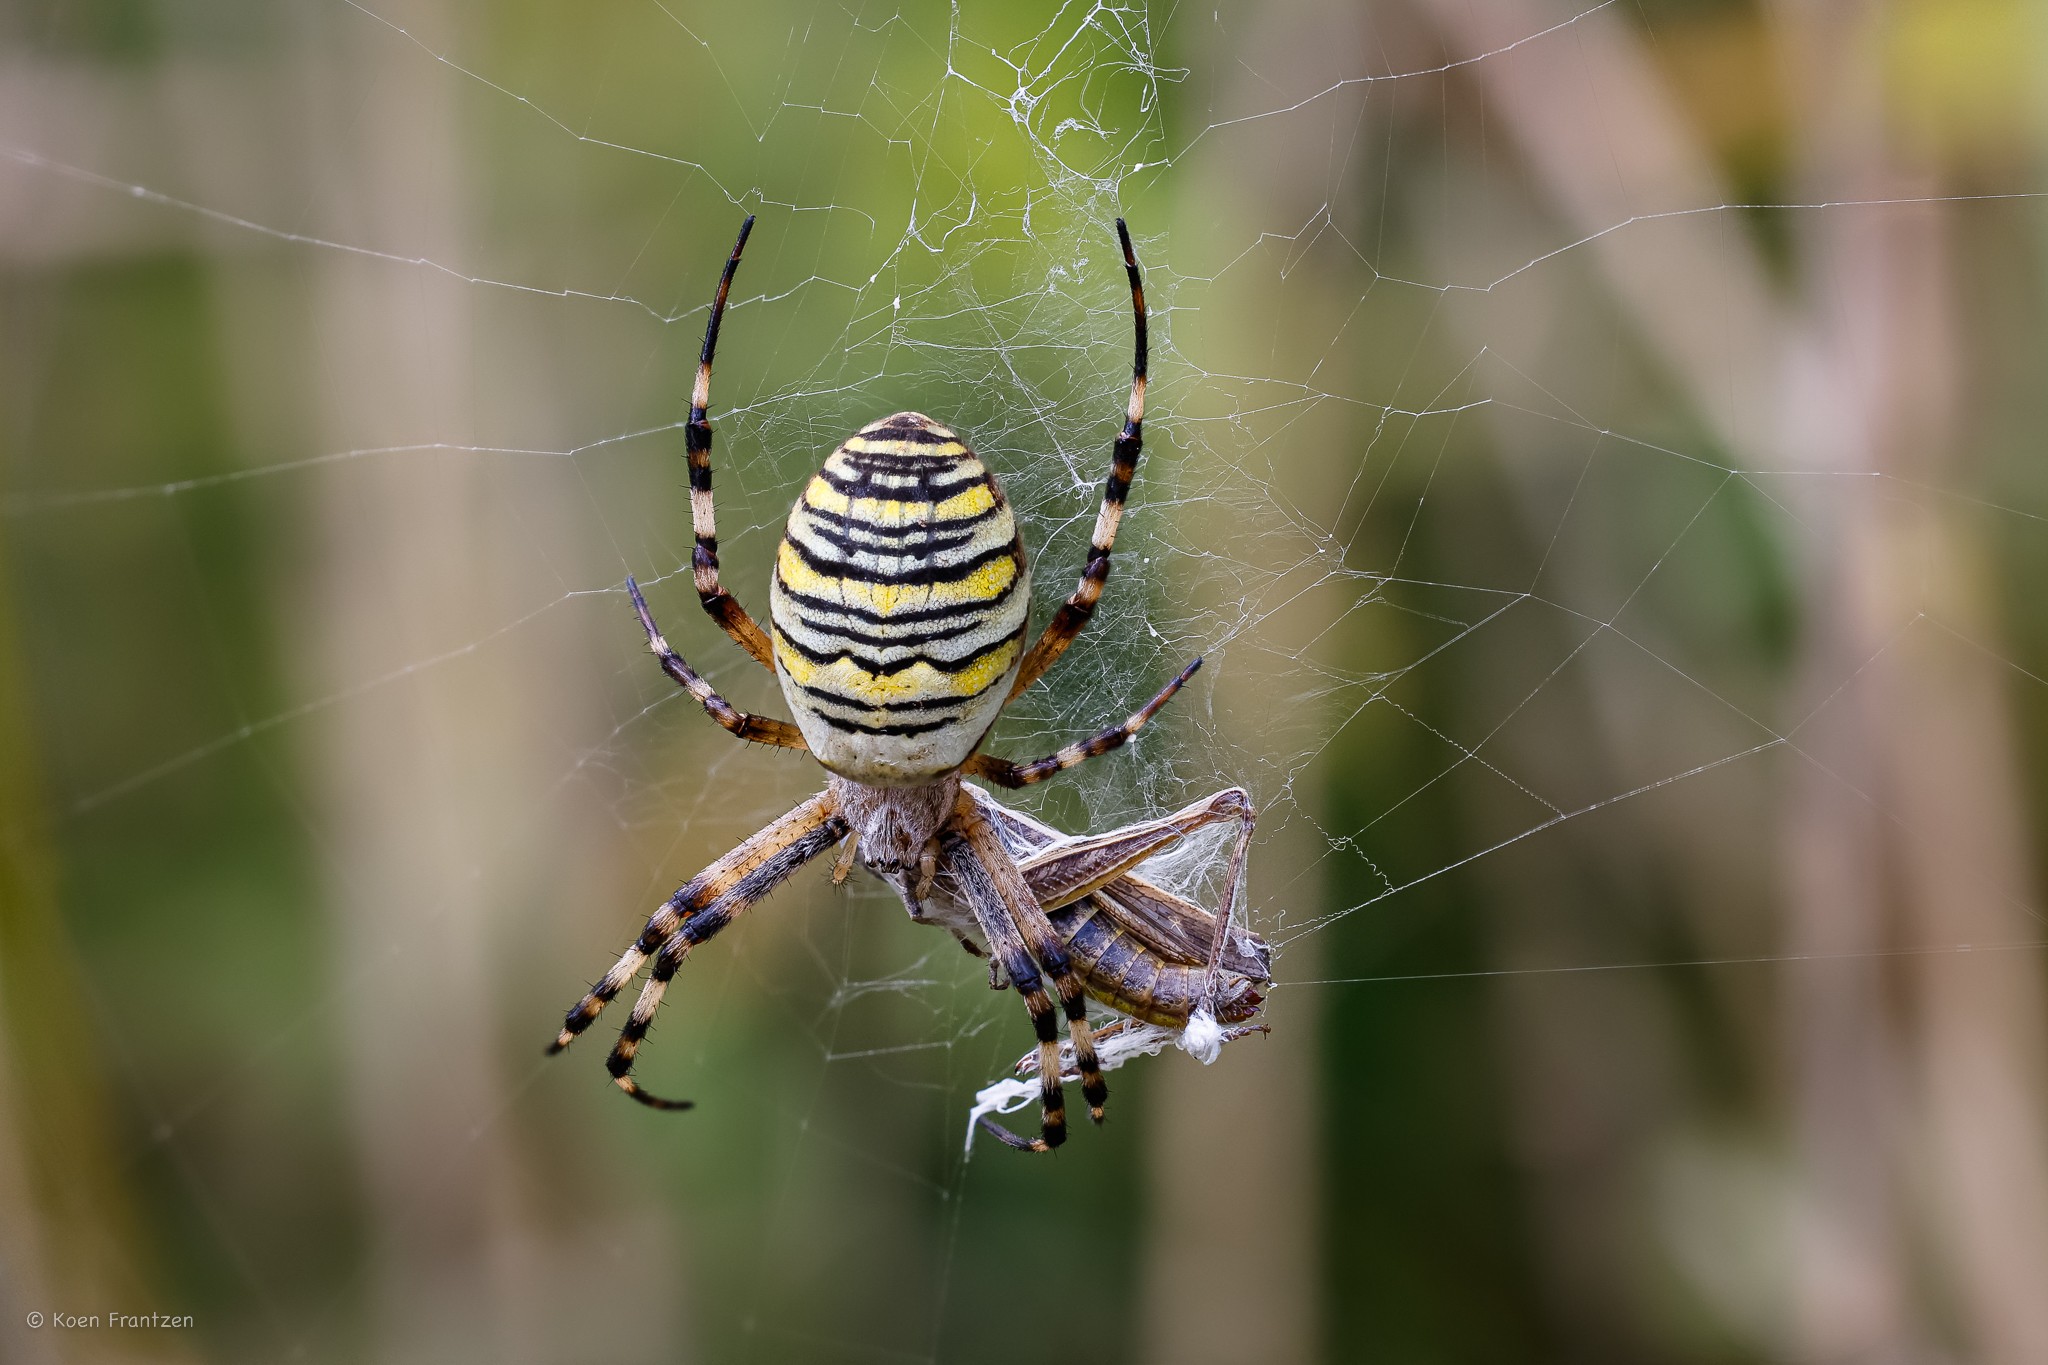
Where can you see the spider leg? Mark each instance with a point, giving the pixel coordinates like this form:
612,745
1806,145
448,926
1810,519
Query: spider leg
1074,614
1007,953
759,729
705,904
722,606
660,925
1010,1139
1004,773
1013,911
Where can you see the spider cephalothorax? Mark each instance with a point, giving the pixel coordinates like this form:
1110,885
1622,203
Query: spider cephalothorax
899,608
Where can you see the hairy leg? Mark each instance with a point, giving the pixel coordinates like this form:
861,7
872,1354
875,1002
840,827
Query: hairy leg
1130,443
705,904
722,606
1004,773
1016,903
759,729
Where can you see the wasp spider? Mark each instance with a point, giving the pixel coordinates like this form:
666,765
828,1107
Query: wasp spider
897,630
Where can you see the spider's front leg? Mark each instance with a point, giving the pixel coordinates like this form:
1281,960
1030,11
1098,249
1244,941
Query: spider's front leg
1006,953
1022,940
706,904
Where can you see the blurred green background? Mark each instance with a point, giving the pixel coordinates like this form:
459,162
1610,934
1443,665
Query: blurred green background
1596,446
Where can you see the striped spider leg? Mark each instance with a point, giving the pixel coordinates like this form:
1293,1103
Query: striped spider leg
1079,608
1018,933
704,905
721,605
760,729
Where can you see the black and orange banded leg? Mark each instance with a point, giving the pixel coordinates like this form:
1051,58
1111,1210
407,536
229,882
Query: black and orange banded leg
1006,950
1130,443
660,925
744,725
722,606
1004,773
1044,943
705,904
1021,908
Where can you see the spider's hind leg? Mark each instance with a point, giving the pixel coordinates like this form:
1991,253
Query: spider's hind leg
1130,443
719,604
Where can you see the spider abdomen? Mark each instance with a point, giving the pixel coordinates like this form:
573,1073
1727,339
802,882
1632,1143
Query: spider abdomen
898,604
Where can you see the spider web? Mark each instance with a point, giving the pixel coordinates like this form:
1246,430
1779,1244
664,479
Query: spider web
1483,619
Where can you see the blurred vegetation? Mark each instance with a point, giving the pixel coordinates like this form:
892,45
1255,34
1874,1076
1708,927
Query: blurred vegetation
331,769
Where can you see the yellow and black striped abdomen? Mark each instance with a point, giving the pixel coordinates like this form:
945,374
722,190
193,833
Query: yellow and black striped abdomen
899,604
